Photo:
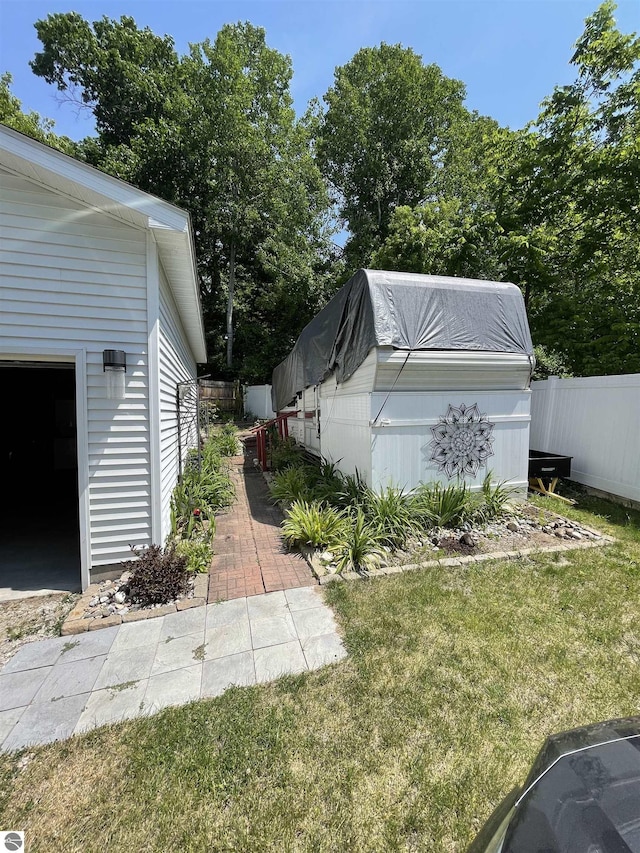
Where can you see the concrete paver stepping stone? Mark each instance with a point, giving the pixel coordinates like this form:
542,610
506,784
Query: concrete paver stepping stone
178,652
183,623
263,606
17,689
132,635
226,613
227,640
221,673
323,650
8,719
124,666
89,645
303,598
35,655
112,706
272,631
314,622
46,722
173,688
69,679
274,661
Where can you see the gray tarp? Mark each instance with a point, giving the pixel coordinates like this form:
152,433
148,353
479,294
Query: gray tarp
405,311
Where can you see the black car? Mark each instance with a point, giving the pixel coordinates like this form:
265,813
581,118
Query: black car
581,796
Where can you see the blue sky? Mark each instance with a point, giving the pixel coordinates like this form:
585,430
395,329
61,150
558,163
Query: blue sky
509,53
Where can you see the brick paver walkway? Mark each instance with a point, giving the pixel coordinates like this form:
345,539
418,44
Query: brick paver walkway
249,557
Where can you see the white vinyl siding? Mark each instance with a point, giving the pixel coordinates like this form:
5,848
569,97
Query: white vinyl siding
176,364
75,278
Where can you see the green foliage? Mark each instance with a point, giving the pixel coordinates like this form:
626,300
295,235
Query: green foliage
436,505
225,440
360,547
312,523
387,128
353,492
157,576
494,500
285,453
391,514
197,552
549,363
291,484
31,123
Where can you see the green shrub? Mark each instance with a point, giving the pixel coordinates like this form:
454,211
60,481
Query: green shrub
285,453
436,505
360,546
291,484
391,514
312,524
353,492
157,576
197,552
326,481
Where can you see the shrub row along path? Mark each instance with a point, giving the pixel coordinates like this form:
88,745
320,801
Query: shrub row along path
249,557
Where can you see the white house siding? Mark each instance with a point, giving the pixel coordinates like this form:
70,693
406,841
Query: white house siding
176,365
596,420
74,278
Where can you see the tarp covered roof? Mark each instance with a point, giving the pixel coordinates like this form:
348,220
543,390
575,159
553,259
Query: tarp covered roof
405,311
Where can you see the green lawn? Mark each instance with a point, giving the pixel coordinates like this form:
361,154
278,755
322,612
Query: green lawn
454,679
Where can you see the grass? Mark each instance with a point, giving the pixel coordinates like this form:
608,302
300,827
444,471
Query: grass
454,679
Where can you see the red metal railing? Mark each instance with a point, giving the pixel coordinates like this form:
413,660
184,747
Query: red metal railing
263,432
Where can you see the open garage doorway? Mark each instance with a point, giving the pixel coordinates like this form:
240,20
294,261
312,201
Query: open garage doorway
39,525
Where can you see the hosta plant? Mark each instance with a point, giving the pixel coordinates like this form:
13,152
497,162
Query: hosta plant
312,523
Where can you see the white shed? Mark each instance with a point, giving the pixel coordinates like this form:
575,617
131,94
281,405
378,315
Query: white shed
411,379
88,265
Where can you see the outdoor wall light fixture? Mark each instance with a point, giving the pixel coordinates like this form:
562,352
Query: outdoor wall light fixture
114,364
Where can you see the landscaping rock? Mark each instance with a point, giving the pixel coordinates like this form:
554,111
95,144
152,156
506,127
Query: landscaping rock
468,539
120,597
513,526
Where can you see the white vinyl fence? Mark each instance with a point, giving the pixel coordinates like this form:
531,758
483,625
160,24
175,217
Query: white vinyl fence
597,421
257,401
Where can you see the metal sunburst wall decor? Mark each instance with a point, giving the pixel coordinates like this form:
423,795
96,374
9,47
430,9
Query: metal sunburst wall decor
462,441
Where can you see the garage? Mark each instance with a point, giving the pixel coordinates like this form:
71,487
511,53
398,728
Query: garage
39,525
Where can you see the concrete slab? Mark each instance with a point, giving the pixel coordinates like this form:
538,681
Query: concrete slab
274,661
69,679
182,623
272,631
46,723
8,719
320,651
173,688
89,645
17,689
221,673
226,613
314,623
178,653
125,666
112,706
132,635
265,606
35,655
304,597
228,640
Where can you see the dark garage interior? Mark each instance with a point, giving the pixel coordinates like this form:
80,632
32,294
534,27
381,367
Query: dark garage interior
39,527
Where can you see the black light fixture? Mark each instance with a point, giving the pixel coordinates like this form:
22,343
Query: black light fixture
114,364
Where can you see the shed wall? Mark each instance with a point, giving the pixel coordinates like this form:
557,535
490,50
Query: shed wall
72,277
176,364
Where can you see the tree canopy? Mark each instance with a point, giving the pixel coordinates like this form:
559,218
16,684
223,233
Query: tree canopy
392,155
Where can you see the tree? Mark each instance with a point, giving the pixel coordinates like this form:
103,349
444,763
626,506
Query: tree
385,138
215,132
31,123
